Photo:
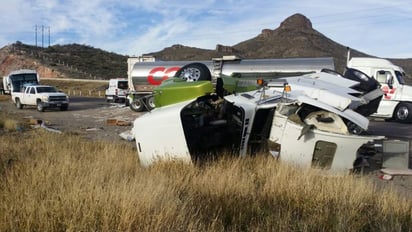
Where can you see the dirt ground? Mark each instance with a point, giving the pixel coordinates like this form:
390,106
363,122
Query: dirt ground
93,118
96,119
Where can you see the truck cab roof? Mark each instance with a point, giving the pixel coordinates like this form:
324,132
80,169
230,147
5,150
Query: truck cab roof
22,71
372,62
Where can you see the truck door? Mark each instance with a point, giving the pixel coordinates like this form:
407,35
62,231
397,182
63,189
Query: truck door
30,96
384,78
389,100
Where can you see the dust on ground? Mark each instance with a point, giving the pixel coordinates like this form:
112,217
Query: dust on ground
92,118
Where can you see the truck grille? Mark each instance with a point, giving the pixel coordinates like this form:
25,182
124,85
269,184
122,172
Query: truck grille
57,98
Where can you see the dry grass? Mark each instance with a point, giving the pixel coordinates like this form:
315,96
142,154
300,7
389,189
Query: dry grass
58,182
74,87
4,97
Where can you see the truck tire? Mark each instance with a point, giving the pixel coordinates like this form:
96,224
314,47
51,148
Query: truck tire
137,105
150,103
40,106
403,112
126,102
194,72
18,104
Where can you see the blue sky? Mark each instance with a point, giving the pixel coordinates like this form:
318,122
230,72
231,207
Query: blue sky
378,27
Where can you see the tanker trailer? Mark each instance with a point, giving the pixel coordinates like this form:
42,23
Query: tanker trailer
144,76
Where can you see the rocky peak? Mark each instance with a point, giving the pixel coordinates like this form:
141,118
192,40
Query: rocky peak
296,21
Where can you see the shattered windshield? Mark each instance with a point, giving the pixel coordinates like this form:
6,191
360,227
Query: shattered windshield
46,89
401,77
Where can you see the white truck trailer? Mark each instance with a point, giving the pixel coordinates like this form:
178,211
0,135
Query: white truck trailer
15,80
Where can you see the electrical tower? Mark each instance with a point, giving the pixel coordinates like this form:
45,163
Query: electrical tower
36,27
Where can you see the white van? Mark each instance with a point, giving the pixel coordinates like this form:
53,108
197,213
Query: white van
117,90
397,101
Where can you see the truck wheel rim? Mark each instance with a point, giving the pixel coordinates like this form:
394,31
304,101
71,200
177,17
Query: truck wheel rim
402,113
136,104
191,74
150,102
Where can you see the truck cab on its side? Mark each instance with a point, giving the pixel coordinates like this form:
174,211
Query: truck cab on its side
397,101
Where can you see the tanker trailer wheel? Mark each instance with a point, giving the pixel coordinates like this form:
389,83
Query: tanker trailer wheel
150,103
403,112
137,105
194,72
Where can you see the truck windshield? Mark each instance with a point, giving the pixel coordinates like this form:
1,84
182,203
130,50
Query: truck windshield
122,85
46,89
401,77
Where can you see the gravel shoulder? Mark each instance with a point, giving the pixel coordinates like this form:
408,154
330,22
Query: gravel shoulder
93,118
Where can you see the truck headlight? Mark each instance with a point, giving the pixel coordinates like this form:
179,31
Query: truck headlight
45,98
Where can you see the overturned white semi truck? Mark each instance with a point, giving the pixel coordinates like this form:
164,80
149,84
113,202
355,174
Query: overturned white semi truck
320,122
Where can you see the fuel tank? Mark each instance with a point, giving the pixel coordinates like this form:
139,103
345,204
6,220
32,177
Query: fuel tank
144,76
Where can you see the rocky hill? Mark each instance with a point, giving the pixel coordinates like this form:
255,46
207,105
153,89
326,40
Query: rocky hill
68,61
295,37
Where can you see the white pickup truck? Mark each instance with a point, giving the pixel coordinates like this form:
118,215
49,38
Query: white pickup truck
41,96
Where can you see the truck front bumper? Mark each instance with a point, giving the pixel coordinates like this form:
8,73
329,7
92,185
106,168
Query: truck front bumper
55,104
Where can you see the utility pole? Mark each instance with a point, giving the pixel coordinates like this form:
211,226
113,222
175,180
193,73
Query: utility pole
35,33
36,28
42,36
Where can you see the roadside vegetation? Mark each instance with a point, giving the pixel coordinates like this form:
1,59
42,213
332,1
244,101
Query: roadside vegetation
78,88
62,182
75,60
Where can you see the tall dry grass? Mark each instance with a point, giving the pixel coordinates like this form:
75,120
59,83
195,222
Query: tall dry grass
58,182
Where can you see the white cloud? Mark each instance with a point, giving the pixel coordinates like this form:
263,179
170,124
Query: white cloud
377,27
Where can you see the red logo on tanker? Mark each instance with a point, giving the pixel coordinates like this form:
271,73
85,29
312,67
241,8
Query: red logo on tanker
160,71
388,92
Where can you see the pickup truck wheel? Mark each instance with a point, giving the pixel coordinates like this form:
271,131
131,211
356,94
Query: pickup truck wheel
150,103
18,104
137,105
194,72
403,112
40,106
